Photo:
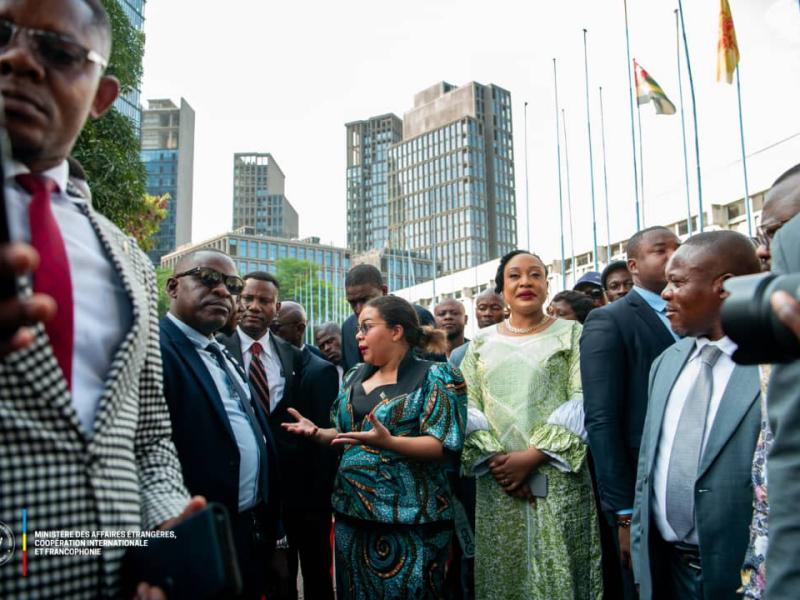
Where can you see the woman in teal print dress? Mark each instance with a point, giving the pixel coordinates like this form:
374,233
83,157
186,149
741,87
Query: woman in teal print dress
525,422
399,420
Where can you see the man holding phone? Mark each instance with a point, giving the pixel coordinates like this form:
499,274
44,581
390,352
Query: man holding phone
86,432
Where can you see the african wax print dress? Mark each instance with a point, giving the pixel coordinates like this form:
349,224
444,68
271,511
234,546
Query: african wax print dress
394,515
526,392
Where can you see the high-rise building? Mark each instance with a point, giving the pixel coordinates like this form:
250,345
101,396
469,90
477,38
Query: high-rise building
259,199
451,178
368,144
168,156
129,104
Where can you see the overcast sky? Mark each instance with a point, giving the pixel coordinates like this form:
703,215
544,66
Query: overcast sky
284,78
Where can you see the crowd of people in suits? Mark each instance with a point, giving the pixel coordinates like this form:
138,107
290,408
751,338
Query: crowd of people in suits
604,445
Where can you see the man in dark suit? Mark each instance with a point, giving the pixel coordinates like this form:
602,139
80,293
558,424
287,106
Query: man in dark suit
694,495
362,284
328,338
618,345
307,512
220,432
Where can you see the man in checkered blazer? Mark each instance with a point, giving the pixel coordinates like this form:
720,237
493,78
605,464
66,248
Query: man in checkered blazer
84,429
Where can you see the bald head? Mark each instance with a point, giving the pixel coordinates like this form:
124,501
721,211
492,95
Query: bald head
720,252
290,323
198,258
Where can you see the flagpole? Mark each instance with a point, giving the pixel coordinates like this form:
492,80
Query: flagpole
605,178
591,152
569,195
747,204
527,201
641,162
694,115
633,127
683,124
560,189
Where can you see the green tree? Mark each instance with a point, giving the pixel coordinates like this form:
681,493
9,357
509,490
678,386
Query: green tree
162,274
299,282
108,148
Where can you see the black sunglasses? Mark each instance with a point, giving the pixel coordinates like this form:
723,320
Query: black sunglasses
211,278
53,50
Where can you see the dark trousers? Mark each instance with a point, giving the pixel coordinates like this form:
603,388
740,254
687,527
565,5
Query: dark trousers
675,570
310,539
254,540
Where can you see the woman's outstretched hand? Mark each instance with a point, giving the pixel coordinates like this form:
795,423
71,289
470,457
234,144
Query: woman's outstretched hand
377,437
303,426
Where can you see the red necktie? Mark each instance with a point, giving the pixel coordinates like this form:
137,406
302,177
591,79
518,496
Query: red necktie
258,377
53,275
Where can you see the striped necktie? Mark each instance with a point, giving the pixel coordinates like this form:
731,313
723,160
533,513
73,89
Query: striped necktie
258,377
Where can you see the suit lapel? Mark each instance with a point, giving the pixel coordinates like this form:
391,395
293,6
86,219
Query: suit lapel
285,356
740,393
234,345
654,324
119,250
671,366
187,352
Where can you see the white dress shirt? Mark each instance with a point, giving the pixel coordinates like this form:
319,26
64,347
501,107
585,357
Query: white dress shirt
240,424
271,362
721,373
102,309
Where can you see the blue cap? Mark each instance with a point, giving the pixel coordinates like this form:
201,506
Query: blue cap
590,278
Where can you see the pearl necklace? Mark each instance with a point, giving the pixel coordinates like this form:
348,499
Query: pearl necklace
533,328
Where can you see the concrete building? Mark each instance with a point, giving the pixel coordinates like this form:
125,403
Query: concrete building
129,104
368,144
399,269
259,199
451,178
253,252
467,284
168,156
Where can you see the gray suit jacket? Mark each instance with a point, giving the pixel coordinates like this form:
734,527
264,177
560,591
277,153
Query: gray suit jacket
783,464
125,476
723,492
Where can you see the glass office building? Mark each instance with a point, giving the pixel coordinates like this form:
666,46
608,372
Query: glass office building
259,201
451,178
129,104
368,144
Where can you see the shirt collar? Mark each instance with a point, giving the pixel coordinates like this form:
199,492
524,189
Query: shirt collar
198,339
726,344
247,341
655,301
59,173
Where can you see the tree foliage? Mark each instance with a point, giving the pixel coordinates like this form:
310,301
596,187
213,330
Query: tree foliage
108,148
300,282
162,274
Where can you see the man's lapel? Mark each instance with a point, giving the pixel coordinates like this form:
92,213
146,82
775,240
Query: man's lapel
740,394
672,364
188,353
284,353
652,321
120,250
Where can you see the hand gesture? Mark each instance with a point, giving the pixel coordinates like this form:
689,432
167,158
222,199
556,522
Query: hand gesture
377,437
303,426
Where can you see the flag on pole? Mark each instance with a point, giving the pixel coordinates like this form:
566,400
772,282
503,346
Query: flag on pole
647,90
727,48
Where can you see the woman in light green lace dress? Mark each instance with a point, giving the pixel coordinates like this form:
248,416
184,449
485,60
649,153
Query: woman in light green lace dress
526,417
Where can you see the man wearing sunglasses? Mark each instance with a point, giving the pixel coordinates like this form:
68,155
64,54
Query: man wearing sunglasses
85,429
219,428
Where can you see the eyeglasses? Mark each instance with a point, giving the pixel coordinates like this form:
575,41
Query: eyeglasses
211,278
54,50
765,233
365,327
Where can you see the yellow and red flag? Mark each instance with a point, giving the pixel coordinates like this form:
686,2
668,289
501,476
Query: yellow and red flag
648,90
727,49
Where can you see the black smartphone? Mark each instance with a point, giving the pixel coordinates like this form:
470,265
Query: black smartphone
537,483
199,563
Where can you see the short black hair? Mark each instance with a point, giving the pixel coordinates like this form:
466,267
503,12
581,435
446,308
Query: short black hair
734,251
632,249
328,327
363,275
263,276
581,304
617,265
499,279
179,266
795,170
